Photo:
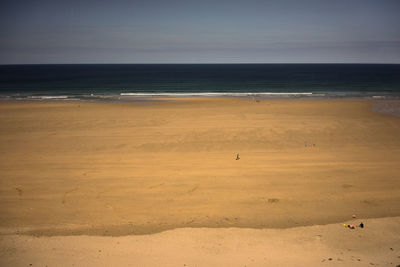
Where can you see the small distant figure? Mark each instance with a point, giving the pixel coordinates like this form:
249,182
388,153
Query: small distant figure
351,226
361,225
237,156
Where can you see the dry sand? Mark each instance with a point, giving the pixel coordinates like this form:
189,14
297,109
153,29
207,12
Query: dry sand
378,244
118,169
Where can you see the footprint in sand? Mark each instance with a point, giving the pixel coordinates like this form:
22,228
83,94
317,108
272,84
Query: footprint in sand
64,200
19,190
270,200
193,189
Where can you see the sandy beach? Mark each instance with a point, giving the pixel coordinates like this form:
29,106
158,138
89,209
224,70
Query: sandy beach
157,174
329,245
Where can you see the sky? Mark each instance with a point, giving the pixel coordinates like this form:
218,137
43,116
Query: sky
202,31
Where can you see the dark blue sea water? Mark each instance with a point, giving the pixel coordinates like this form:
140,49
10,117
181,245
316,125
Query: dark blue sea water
304,80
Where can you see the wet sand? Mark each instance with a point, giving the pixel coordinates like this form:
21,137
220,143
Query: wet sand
118,169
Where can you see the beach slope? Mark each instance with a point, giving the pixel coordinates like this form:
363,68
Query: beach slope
140,168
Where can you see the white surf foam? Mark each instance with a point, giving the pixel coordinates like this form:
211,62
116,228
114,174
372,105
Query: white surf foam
49,97
217,94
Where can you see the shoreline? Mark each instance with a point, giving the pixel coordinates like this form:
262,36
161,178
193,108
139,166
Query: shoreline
380,104
132,230
137,97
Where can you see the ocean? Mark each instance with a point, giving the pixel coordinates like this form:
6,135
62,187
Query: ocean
124,81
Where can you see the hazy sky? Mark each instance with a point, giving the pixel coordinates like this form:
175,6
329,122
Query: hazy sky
202,31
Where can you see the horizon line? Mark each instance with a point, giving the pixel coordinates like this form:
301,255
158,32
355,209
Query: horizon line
211,63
